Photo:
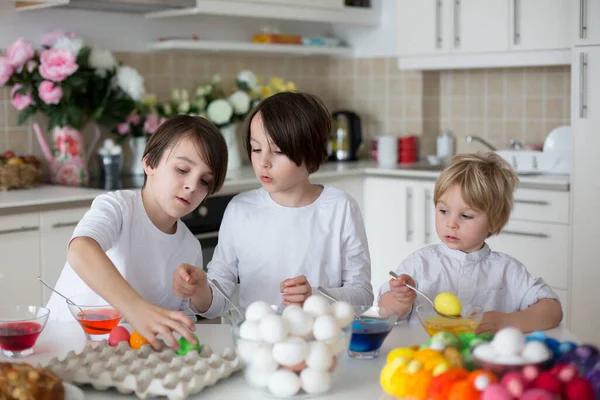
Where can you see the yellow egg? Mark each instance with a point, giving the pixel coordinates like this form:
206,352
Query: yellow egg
447,303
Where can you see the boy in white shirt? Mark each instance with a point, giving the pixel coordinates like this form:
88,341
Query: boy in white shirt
290,236
129,243
473,198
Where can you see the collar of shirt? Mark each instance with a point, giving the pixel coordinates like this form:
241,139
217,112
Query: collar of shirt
466,258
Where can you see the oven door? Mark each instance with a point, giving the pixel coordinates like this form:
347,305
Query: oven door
208,242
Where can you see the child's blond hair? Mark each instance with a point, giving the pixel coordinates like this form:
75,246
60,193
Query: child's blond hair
487,184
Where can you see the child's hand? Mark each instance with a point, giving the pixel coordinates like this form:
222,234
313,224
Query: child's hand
492,321
187,279
295,290
150,320
401,293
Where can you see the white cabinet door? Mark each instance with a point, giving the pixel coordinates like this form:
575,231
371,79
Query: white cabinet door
420,27
540,24
20,266
585,23
480,26
56,230
585,191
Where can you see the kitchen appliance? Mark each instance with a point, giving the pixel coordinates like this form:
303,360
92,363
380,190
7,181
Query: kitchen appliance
129,6
346,137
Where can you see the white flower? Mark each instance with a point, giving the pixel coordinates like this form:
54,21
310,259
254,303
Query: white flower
102,60
216,79
131,82
219,112
185,96
184,107
167,109
201,103
248,78
73,45
176,95
240,102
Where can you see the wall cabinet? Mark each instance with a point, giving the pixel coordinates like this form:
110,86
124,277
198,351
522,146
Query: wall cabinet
540,24
585,22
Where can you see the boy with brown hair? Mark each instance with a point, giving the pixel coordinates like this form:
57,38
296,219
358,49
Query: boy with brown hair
473,198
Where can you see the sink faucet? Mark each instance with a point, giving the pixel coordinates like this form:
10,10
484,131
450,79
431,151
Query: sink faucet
477,138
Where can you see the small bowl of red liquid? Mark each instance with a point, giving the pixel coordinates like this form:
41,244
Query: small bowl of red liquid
96,317
20,327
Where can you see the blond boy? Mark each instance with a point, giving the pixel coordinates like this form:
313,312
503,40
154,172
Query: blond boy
473,198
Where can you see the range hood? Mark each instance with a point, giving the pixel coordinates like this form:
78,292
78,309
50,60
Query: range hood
129,6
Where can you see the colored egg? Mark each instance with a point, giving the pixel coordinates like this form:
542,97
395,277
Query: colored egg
185,346
447,303
118,334
136,340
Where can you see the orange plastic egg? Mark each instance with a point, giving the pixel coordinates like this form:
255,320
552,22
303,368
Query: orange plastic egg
136,340
463,390
440,385
417,384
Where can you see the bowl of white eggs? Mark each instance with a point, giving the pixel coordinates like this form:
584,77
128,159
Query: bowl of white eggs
294,351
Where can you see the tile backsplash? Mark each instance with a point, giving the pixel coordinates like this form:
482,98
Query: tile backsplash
496,104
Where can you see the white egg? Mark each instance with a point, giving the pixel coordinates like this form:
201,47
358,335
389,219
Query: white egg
511,359
326,327
257,378
315,381
246,349
257,310
535,352
291,352
509,341
284,383
297,321
319,356
263,360
273,329
317,305
250,330
343,313
485,352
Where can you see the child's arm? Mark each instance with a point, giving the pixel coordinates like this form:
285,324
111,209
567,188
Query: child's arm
545,314
93,266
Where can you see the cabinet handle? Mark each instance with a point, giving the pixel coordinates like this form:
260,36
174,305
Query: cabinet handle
582,85
519,233
64,224
516,22
535,202
456,23
582,19
438,24
427,217
19,230
409,230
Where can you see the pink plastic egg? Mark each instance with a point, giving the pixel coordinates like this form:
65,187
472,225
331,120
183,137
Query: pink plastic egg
118,334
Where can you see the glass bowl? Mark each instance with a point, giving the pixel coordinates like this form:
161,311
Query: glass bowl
434,323
20,327
258,363
96,317
501,369
369,333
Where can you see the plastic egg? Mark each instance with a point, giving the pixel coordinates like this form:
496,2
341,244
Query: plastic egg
250,330
510,359
343,313
272,329
315,381
316,306
297,321
326,327
486,352
319,356
284,383
509,341
257,310
136,340
263,361
291,352
118,334
535,352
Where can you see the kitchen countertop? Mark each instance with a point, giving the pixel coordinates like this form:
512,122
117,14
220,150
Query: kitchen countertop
244,179
359,380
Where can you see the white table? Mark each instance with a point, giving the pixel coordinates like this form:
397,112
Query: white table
360,379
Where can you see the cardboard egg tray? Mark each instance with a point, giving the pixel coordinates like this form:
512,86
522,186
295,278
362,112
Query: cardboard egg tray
145,372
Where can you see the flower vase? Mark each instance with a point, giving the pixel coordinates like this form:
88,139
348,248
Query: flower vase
234,157
133,162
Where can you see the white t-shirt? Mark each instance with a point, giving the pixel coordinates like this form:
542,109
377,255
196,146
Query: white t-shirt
143,254
263,243
495,281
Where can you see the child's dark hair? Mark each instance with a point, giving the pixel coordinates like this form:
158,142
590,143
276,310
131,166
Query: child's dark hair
299,124
208,139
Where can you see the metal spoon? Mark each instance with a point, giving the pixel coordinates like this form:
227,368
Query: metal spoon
330,297
395,276
60,294
220,290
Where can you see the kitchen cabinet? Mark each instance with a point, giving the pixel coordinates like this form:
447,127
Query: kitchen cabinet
56,229
540,24
585,119
585,22
20,266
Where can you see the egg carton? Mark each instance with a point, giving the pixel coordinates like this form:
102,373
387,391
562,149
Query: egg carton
145,372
